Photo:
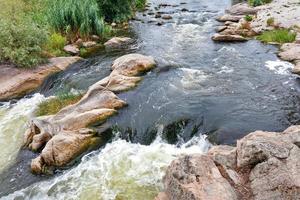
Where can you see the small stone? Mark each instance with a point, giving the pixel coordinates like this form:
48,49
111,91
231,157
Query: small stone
184,10
71,49
89,44
157,15
166,17
95,37
113,24
296,69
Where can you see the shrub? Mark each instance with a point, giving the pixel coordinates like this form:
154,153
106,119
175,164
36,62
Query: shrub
248,18
76,17
54,105
140,4
117,10
258,2
21,42
56,44
278,36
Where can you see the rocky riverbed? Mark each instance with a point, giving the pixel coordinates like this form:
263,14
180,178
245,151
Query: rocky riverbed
200,93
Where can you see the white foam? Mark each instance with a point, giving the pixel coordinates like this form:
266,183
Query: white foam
192,78
13,121
279,66
121,170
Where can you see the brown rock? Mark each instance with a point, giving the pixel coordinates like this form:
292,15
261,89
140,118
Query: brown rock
166,17
25,81
89,44
224,155
296,69
64,134
71,49
220,28
228,38
232,18
196,177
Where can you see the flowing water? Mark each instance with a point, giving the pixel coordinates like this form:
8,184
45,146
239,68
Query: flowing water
199,88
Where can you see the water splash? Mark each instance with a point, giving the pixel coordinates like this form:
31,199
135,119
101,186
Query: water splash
121,170
13,119
279,67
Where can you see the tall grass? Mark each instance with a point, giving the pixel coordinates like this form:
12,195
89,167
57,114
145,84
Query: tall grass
277,36
76,17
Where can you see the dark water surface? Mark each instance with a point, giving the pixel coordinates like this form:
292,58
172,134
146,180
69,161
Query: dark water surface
220,89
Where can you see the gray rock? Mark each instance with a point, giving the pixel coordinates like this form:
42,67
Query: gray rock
89,44
118,42
290,52
242,9
71,49
224,155
232,18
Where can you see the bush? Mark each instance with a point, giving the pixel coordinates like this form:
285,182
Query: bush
54,105
21,42
117,10
76,17
140,4
278,36
56,44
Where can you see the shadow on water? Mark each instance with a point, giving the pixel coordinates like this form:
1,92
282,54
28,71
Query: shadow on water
220,89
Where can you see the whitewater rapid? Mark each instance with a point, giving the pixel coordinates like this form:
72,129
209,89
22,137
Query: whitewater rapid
121,170
13,120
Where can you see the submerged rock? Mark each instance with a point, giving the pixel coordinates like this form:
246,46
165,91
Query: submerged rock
66,135
25,81
264,165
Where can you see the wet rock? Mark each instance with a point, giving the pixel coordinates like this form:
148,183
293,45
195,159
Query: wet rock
157,15
224,155
290,52
66,135
25,81
228,38
166,17
232,18
184,10
196,177
159,23
89,44
71,49
220,28
118,42
296,69
242,9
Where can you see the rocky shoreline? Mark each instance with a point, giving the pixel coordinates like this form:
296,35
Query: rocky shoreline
284,14
263,165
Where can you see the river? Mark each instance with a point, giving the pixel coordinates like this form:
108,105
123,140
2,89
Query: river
200,93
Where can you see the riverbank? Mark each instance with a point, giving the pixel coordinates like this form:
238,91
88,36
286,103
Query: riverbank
263,165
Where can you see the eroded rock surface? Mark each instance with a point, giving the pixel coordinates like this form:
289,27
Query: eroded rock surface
27,80
264,165
117,43
65,135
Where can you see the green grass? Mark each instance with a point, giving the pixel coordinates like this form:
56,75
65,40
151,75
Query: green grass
248,18
277,36
55,45
54,105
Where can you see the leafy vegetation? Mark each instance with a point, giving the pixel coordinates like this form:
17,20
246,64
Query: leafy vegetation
258,2
21,39
248,18
32,30
277,36
270,21
54,105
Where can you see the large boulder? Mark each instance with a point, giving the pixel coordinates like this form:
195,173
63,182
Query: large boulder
25,81
196,177
267,167
65,135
